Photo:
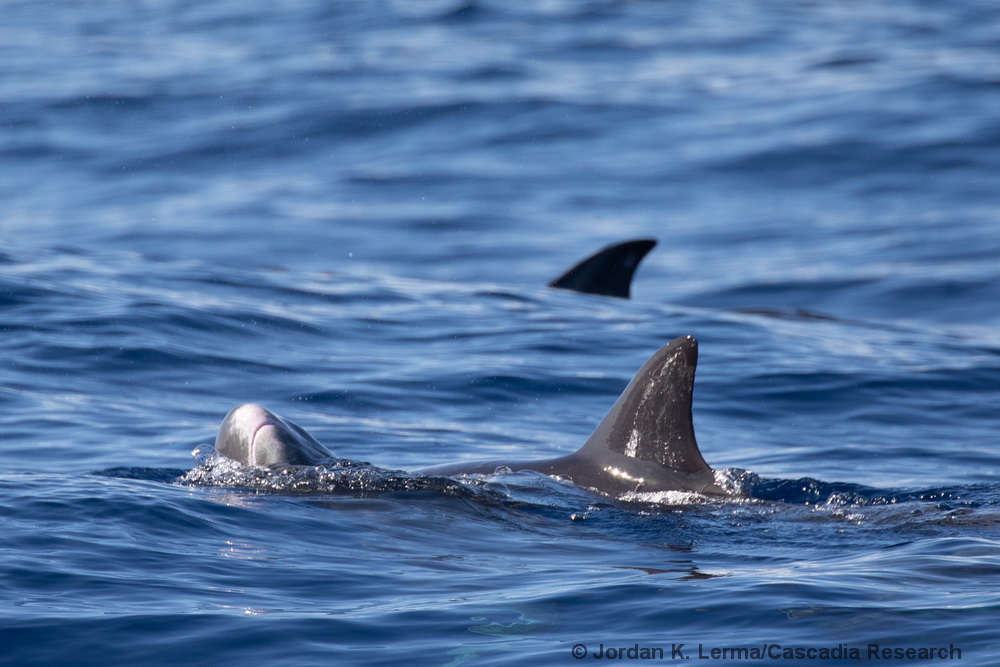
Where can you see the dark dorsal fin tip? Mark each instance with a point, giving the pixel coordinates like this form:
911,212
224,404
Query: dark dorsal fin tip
609,271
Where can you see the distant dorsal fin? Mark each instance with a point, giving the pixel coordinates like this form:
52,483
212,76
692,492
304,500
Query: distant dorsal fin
651,420
607,272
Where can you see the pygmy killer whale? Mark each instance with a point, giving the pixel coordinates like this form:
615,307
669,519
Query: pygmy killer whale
608,272
645,443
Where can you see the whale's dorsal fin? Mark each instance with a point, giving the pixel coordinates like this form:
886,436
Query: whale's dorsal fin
607,272
651,420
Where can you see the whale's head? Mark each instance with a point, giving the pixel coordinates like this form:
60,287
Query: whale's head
254,435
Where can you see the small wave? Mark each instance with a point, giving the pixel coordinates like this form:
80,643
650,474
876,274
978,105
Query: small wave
338,476
814,492
666,498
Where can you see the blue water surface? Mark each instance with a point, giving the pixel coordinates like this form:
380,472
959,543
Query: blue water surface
348,212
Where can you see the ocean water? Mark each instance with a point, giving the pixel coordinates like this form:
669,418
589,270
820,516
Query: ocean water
348,212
